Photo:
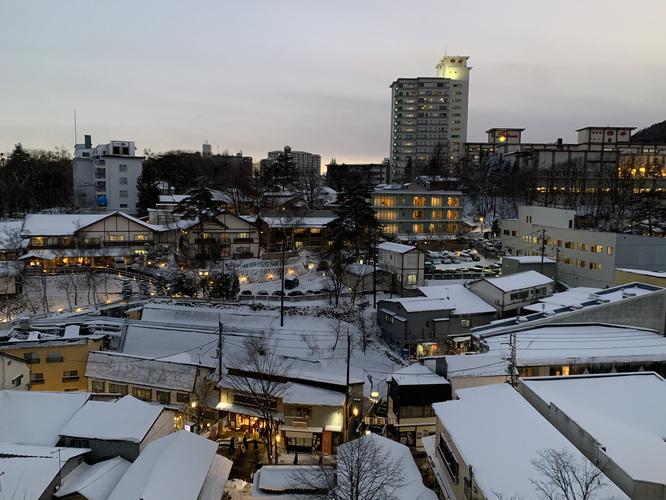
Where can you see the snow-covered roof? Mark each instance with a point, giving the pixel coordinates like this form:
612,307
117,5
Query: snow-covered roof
172,198
127,419
498,432
174,466
489,364
654,274
28,471
572,296
292,220
94,482
530,259
595,298
278,479
9,231
631,428
22,415
519,281
388,246
417,374
412,487
456,298
66,224
585,343
300,394
107,365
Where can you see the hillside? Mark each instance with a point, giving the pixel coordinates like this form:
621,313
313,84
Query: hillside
654,134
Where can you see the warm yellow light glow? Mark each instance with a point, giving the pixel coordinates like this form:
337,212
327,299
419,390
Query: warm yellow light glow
269,276
565,370
59,310
374,394
277,438
194,404
355,412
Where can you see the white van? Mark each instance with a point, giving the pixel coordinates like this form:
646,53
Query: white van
119,263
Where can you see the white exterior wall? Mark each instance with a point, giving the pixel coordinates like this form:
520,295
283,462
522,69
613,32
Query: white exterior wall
11,369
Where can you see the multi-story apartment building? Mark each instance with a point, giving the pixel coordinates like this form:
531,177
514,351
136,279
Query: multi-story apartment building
305,163
584,258
104,177
427,111
342,175
411,212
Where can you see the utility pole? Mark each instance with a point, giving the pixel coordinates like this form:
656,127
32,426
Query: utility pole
282,295
543,247
512,363
346,412
219,351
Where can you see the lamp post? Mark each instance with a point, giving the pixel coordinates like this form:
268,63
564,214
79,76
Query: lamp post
282,294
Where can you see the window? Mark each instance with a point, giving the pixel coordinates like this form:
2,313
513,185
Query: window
123,194
453,202
182,397
36,378
448,457
16,381
583,246
122,168
31,358
118,389
595,266
452,228
419,201
411,279
54,357
437,215
387,214
568,261
580,263
451,214
557,243
609,250
388,319
390,228
142,393
385,201
39,241
70,376
569,244
163,396
91,242
298,411
98,386
122,180
141,237
596,248
514,233
436,201
116,237
465,323
417,214
417,228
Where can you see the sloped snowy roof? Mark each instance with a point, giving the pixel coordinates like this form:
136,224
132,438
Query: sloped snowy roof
299,394
567,298
67,224
388,246
412,487
631,428
498,432
417,374
22,415
654,274
519,281
530,259
127,419
489,364
297,221
175,466
94,482
452,297
587,343
29,470
141,371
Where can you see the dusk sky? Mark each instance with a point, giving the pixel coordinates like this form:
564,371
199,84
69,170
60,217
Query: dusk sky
254,76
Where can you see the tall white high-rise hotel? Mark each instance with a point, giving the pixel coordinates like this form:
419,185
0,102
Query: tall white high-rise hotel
427,111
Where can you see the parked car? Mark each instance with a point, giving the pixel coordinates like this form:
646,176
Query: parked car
262,292
446,260
429,268
246,292
279,293
295,293
455,260
476,257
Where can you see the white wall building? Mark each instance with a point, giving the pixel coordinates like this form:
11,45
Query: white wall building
304,163
104,177
585,258
429,110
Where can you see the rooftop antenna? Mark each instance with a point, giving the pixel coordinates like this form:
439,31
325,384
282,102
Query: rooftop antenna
446,49
75,136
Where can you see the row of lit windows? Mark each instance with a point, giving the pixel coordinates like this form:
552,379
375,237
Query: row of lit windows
417,201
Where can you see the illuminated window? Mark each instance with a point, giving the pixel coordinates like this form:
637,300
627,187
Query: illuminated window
387,214
385,201
452,214
419,201
568,261
557,243
39,241
581,263
565,370
141,237
609,250
142,393
435,228
437,214
417,228
417,214
436,201
583,246
569,244
595,266
116,237
315,230
452,228
596,248
390,228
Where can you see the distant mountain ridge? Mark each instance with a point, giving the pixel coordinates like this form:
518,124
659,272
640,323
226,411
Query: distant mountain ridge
654,134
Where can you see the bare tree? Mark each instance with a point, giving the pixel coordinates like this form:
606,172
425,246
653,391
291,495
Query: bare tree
367,470
564,477
258,379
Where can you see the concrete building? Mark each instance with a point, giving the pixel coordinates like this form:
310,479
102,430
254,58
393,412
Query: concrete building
410,212
305,164
427,111
104,177
618,421
585,258
369,175
404,263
